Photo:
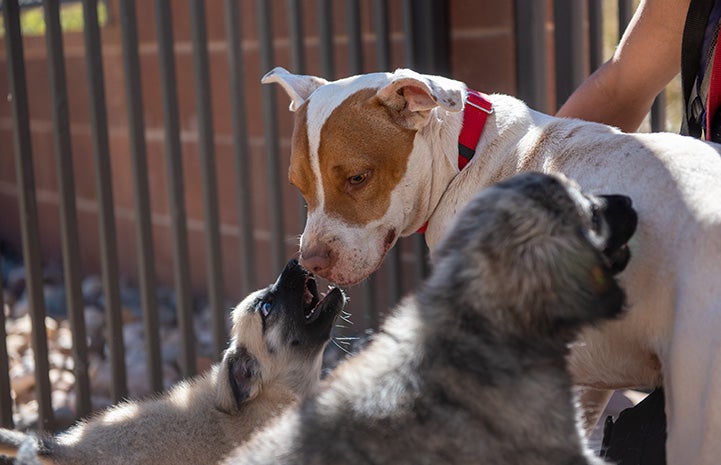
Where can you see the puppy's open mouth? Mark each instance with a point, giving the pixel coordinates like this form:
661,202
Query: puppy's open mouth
314,302
311,299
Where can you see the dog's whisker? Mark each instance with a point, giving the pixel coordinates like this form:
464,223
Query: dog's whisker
341,347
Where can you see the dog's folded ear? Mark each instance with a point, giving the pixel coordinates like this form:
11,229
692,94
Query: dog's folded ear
238,379
416,94
298,86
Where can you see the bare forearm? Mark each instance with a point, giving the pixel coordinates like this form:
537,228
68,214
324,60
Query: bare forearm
620,92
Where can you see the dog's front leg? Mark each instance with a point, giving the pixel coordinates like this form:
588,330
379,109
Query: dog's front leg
592,403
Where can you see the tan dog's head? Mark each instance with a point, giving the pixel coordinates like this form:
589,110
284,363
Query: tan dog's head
278,337
356,159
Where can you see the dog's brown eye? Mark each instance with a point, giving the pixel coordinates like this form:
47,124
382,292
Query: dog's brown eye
357,179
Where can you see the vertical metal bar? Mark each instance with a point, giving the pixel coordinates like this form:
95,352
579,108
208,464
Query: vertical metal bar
325,36
569,47
18,97
174,166
411,52
383,47
295,23
6,401
241,150
297,59
355,39
595,33
625,12
208,174
658,113
143,225
409,32
270,124
383,63
106,215
68,213
431,35
531,53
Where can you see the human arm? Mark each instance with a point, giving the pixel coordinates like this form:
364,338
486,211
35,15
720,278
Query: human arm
622,90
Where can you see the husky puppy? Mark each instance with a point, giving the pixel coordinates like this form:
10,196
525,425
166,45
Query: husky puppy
274,359
472,369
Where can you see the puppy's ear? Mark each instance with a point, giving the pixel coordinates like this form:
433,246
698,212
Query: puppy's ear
239,379
413,95
298,86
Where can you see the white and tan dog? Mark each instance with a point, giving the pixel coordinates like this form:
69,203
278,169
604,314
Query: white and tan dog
376,156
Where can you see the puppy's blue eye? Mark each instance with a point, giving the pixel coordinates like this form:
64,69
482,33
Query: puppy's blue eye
265,308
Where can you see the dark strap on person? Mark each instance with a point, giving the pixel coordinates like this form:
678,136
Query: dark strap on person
638,436
693,35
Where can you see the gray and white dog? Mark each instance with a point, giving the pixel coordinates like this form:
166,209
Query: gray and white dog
472,369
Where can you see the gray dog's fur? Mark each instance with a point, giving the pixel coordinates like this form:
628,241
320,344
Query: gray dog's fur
273,360
472,369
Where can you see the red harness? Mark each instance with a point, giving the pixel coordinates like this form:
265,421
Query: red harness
475,114
714,91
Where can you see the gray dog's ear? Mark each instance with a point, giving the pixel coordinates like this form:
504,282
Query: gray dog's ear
238,379
414,95
298,86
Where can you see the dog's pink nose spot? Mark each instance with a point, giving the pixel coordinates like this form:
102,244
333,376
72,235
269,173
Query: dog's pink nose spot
316,260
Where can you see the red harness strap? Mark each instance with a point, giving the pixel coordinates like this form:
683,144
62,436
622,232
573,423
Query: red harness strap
714,91
475,114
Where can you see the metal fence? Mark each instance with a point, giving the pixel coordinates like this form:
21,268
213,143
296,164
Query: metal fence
426,47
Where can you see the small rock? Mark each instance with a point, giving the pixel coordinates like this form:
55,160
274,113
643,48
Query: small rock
167,316
53,274
171,375
64,417
129,315
15,281
17,344
100,402
55,300
20,308
22,380
92,287
51,327
94,321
